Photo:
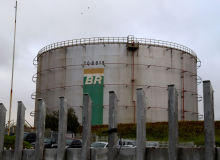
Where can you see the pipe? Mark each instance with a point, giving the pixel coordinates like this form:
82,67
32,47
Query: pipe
133,87
183,86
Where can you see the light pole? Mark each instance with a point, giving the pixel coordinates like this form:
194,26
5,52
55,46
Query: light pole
12,70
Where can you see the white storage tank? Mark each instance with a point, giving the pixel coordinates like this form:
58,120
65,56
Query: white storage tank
121,64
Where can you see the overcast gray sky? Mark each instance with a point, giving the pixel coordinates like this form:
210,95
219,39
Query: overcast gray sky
195,24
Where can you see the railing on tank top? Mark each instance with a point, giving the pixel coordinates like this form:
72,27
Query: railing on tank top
101,40
114,40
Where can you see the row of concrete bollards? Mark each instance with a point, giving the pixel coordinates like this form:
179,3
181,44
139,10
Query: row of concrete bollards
112,139
209,125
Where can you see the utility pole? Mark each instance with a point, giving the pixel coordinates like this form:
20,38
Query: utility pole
12,70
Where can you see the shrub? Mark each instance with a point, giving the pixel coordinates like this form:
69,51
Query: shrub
9,142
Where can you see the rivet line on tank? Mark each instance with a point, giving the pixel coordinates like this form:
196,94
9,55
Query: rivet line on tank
33,95
110,84
110,63
123,106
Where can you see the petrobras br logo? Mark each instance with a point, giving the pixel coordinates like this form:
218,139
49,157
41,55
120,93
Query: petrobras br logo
94,79
93,85
93,76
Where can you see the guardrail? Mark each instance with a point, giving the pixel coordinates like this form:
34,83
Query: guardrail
115,40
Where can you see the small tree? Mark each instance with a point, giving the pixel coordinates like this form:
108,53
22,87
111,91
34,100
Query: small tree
72,120
52,121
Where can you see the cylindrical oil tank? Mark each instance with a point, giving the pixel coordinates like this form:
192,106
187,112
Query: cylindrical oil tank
121,64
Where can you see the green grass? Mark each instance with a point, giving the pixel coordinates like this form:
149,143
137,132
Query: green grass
189,131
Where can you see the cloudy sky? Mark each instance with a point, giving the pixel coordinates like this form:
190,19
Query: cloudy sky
195,24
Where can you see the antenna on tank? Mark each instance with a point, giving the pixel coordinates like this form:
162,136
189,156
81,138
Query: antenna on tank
12,69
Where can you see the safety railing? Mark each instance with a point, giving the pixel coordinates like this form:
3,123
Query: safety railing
115,40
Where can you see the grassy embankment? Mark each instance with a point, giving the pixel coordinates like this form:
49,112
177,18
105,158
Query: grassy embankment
189,131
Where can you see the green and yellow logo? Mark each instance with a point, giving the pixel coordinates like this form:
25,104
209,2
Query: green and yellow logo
93,84
94,76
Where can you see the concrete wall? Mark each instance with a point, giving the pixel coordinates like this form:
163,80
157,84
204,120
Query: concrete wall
124,154
74,58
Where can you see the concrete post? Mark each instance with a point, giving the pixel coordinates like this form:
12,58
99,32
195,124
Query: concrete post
209,124
173,122
112,137
86,135
2,128
41,115
141,124
62,129
19,131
